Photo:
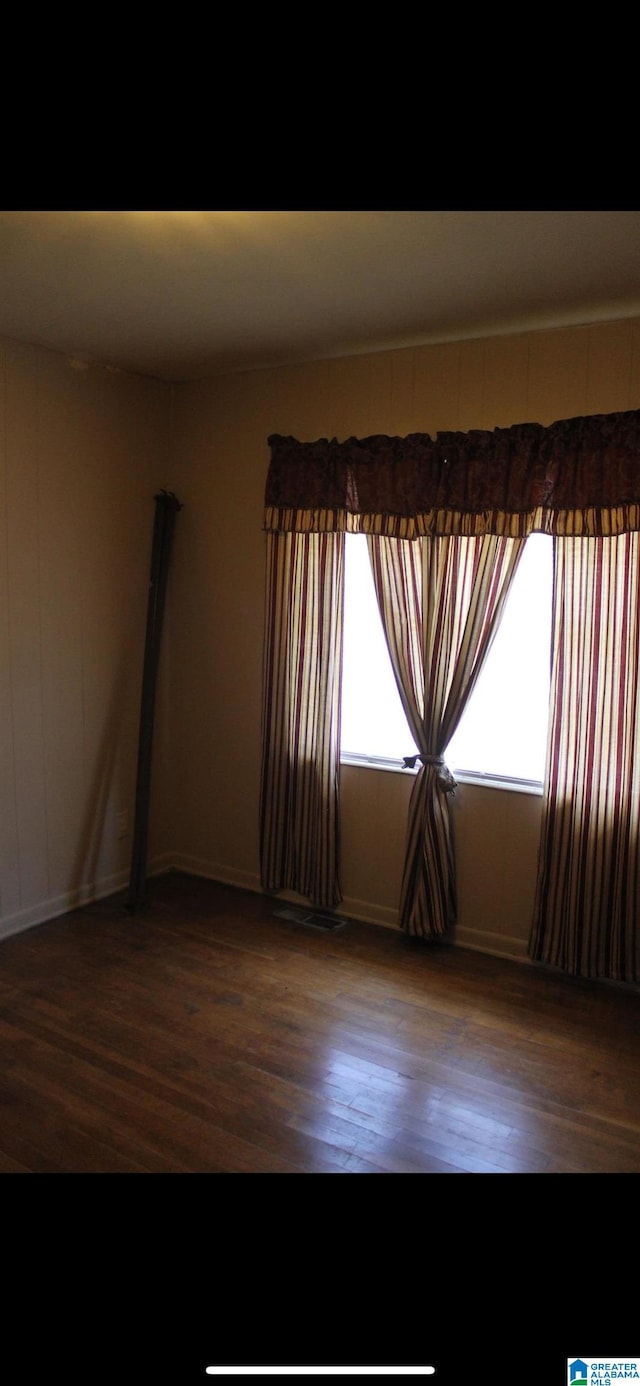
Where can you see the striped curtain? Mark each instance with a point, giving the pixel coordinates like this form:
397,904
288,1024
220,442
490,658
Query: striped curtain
588,890
299,799
440,601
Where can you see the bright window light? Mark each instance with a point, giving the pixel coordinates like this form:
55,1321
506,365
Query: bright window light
503,731
373,722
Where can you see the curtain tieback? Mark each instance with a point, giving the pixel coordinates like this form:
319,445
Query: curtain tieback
444,777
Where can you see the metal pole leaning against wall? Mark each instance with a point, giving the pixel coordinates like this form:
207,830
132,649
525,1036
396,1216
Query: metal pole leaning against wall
167,507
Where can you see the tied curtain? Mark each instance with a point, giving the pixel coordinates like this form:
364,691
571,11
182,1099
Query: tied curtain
440,601
577,479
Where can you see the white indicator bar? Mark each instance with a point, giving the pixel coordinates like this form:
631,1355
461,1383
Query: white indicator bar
320,1371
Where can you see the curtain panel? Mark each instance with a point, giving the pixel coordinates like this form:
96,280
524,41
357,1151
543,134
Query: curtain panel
588,887
575,477
302,682
440,604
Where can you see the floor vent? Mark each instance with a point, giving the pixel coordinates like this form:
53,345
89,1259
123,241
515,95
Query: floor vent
311,919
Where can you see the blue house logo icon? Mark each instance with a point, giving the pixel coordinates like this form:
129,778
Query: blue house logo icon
578,1373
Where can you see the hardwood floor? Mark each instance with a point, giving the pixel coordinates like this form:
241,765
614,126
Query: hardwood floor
207,1035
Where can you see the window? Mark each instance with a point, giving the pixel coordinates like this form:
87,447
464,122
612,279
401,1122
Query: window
503,731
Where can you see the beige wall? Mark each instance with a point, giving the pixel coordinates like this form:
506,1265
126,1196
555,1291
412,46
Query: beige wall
82,453
222,427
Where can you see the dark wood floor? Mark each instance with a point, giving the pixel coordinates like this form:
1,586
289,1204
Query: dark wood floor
206,1035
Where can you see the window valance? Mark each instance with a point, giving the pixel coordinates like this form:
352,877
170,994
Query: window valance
578,476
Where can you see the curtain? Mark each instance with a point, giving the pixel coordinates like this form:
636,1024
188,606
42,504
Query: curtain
578,480
588,891
299,797
440,602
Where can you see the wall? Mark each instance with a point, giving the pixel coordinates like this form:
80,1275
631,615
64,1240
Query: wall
221,432
82,453
83,450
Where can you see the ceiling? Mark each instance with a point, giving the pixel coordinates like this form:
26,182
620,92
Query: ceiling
182,295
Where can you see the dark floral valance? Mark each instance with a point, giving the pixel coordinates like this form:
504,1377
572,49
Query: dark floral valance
577,476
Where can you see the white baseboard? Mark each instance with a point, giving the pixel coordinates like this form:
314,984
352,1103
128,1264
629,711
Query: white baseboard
62,904
365,911
160,865
369,913
215,871
227,875
499,945
57,905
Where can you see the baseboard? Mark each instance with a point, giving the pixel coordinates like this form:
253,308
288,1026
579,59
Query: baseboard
86,894
216,871
160,865
365,911
350,908
369,913
61,904
498,945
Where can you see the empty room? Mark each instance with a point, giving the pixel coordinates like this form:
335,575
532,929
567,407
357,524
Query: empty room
319,672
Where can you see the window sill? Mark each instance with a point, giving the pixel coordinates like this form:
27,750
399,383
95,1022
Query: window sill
485,781
376,763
